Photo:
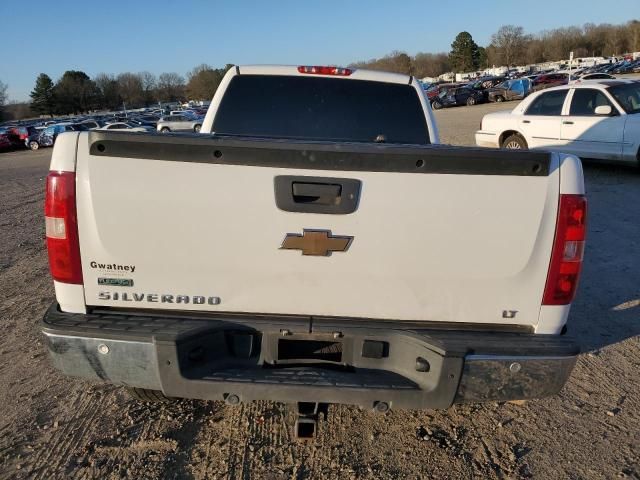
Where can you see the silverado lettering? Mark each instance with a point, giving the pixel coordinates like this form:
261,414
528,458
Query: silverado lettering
155,297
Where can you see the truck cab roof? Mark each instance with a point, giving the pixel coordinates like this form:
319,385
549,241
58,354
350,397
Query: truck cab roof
355,73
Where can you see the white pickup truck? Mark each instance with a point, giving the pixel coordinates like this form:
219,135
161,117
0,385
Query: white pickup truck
313,244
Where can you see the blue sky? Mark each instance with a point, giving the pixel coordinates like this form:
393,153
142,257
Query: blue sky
114,36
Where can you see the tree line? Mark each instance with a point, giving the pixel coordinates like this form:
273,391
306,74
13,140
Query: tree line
511,46
75,92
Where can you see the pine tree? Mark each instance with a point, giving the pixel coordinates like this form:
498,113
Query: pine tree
42,95
464,56
75,92
483,61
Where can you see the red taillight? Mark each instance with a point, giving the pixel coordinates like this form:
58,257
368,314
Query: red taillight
315,70
62,227
568,248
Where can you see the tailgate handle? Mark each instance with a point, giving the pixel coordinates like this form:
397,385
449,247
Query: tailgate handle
304,194
316,193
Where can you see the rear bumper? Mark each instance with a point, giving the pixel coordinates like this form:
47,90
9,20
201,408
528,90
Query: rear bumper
267,358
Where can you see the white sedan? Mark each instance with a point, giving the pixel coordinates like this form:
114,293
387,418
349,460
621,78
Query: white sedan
126,127
592,76
593,119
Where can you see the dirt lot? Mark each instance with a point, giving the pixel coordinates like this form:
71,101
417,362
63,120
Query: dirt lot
54,427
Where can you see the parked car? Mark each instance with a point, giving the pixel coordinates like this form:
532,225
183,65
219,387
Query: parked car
576,72
627,67
432,91
150,119
115,119
48,136
126,126
179,123
435,89
5,142
11,135
33,141
91,124
595,120
609,67
137,122
550,80
454,97
592,76
21,133
484,83
515,89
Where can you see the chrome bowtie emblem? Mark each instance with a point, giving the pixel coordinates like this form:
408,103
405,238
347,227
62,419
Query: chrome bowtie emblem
316,242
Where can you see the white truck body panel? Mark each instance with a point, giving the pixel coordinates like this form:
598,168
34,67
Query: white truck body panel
424,248
70,297
63,156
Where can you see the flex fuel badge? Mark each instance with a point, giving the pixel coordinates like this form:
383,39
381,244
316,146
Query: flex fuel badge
116,282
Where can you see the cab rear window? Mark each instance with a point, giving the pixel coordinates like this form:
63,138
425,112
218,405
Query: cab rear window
319,108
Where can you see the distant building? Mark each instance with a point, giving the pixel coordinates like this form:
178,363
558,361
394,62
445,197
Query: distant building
562,65
461,77
495,71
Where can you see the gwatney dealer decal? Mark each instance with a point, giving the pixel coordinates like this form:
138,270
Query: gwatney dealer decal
114,267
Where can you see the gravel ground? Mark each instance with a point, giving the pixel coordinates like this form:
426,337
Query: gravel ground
55,427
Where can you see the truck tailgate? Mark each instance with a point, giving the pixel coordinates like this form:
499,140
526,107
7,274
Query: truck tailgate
439,234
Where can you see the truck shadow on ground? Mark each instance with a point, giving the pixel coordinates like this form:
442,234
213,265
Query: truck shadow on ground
607,308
